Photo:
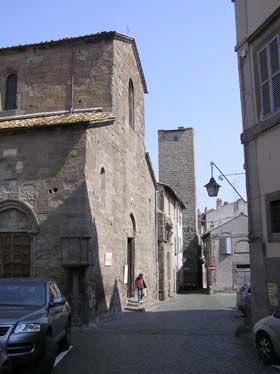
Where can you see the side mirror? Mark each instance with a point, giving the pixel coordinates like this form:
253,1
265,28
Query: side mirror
276,314
58,301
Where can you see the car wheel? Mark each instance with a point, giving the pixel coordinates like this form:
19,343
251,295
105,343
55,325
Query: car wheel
47,360
265,348
65,342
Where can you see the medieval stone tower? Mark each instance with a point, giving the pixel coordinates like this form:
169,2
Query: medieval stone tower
177,169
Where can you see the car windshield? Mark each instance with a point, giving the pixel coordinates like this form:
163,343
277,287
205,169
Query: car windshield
22,294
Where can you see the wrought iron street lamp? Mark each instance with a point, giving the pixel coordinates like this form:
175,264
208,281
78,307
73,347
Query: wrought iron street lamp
213,187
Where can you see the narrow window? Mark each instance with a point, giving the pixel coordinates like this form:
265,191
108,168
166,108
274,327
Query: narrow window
11,92
273,215
102,187
269,78
131,103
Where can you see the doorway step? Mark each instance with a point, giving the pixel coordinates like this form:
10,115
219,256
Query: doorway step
132,305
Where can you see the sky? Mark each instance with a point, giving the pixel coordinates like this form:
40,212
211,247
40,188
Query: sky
187,53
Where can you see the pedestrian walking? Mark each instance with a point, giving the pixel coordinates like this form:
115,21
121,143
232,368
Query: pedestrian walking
140,286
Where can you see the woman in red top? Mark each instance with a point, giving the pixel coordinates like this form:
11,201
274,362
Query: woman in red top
140,285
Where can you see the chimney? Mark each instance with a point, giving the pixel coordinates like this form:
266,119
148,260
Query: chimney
219,203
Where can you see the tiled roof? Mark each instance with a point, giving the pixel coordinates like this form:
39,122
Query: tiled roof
57,120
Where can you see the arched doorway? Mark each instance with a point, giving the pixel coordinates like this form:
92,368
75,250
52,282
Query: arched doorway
17,227
131,257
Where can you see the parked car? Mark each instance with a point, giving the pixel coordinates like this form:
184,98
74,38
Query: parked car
5,363
35,321
267,338
242,297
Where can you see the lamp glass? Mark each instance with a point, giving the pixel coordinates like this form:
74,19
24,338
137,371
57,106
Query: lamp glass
212,188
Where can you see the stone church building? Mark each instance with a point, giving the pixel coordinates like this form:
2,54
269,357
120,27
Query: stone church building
77,190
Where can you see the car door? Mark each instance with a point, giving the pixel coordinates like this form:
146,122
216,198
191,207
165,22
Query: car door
63,310
54,310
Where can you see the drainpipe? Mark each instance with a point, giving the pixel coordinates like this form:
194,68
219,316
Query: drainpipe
72,77
156,245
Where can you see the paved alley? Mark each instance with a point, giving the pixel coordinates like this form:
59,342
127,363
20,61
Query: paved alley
190,334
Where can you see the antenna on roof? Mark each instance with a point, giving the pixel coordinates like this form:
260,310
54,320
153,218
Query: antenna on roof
127,30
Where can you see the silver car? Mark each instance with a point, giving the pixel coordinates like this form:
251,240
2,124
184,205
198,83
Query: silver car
267,338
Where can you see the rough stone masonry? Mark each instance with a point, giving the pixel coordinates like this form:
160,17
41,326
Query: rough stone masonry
77,198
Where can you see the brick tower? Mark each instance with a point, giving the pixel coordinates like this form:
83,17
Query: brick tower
176,168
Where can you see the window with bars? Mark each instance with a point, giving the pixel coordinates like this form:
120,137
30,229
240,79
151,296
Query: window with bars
269,78
11,92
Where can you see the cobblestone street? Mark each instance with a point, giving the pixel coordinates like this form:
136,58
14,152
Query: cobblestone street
190,334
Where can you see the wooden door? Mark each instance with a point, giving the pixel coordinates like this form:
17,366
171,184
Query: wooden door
15,253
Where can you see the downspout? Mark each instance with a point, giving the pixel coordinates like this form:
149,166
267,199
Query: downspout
156,244
72,77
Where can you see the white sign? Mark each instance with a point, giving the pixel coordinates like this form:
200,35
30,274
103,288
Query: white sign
9,152
108,259
125,274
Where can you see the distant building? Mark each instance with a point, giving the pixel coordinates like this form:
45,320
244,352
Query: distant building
77,192
258,52
170,241
226,247
177,169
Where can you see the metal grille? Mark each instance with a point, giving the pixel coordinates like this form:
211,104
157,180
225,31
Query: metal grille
15,349
4,330
263,65
274,56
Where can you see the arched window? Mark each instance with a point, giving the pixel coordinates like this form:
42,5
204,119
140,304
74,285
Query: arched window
11,92
102,187
131,103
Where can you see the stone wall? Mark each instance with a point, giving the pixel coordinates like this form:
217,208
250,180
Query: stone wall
170,243
58,172
176,168
77,75
223,279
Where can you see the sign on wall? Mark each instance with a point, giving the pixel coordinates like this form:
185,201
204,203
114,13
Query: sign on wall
272,293
108,259
125,274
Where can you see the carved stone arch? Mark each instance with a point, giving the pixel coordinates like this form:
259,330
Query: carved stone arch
16,216
18,229
241,246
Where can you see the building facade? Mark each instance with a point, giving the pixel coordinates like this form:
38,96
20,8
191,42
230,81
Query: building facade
170,241
177,169
77,194
257,30
226,247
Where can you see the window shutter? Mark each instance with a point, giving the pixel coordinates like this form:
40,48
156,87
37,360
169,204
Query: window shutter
263,65
276,91
274,56
264,80
266,107
269,71
225,244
